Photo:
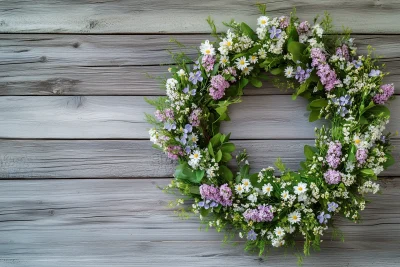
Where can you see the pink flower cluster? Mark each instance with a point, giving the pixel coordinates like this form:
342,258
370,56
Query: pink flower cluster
263,213
327,75
174,152
218,86
208,62
334,153
387,92
194,117
343,51
221,195
332,177
361,155
283,22
303,27
163,116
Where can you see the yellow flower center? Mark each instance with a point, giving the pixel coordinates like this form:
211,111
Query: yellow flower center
242,62
263,21
208,51
300,188
357,141
294,217
228,43
195,155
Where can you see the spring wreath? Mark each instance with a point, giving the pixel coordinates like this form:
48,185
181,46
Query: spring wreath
343,88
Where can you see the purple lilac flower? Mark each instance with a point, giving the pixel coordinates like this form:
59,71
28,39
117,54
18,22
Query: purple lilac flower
332,206
343,51
327,75
194,117
302,75
318,57
221,195
361,155
218,86
169,126
332,177
263,213
225,193
174,151
323,218
333,154
374,73
303,28
251,235
274,32
195,77
387,91
283,22
160,116
208,62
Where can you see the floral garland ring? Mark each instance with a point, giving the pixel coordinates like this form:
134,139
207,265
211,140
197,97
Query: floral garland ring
343,88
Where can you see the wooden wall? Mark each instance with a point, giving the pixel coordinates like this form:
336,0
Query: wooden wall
79,176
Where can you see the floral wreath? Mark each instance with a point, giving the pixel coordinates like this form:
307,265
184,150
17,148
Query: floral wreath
342,88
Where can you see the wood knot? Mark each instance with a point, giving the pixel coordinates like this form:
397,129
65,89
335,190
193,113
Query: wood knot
76,45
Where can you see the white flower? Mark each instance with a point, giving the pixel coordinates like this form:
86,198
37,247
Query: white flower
278,242
181,72
239,189
207,49
294,217
279,232
253,59
247,70
225,46
312,42
285,195
267,189
263,21
289,72
302,197
318,30
194,138
242,63
246,185
252,197
194,159
300,188
224,60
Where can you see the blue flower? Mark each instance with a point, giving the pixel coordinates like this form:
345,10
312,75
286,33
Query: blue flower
188,128
332,206
251,235
357,64
195,77
345,100
186,89
343,111
374,73
207,204
274,32
383,139
323,218
169,126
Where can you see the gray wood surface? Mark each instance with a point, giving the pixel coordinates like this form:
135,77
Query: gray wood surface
116,117
106,222
125,16
130,158
49,64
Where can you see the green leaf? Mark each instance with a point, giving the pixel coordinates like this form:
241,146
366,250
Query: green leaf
226,157
248,31
368,173
215,69
309,151
204,212
218,156
255,82
199,176
389,161
378,111
296,49
279,164
276,71
319,103
225,173
371,105
194,189
303,87
244,171
210,149
215,140
314,115
352,154
184,172
228,147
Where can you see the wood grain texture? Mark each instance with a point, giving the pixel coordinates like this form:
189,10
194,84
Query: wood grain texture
117,117
152,16
48,64
131,158
126,223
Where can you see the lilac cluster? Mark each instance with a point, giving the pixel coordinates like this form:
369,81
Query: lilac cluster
303,28
387,92
361,155
163,116
332,177
174,152
208,63
263,213
212,196
194,117
334,154
231,71
302,75
343,51
218,86
283,22
327,75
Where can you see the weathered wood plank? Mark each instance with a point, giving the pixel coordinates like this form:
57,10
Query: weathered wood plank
130,158
116,117
126,223
44,64
363,16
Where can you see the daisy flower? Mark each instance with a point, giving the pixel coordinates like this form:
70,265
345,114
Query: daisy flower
224,60
247,70
252,198
267,189
262,53
294,217
181,72
289,72
285,195
253,59
207,49
279,231
239,189
300,188
246,184
242,63
263,21
195,158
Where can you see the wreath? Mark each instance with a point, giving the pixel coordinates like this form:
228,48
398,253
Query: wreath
343,89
